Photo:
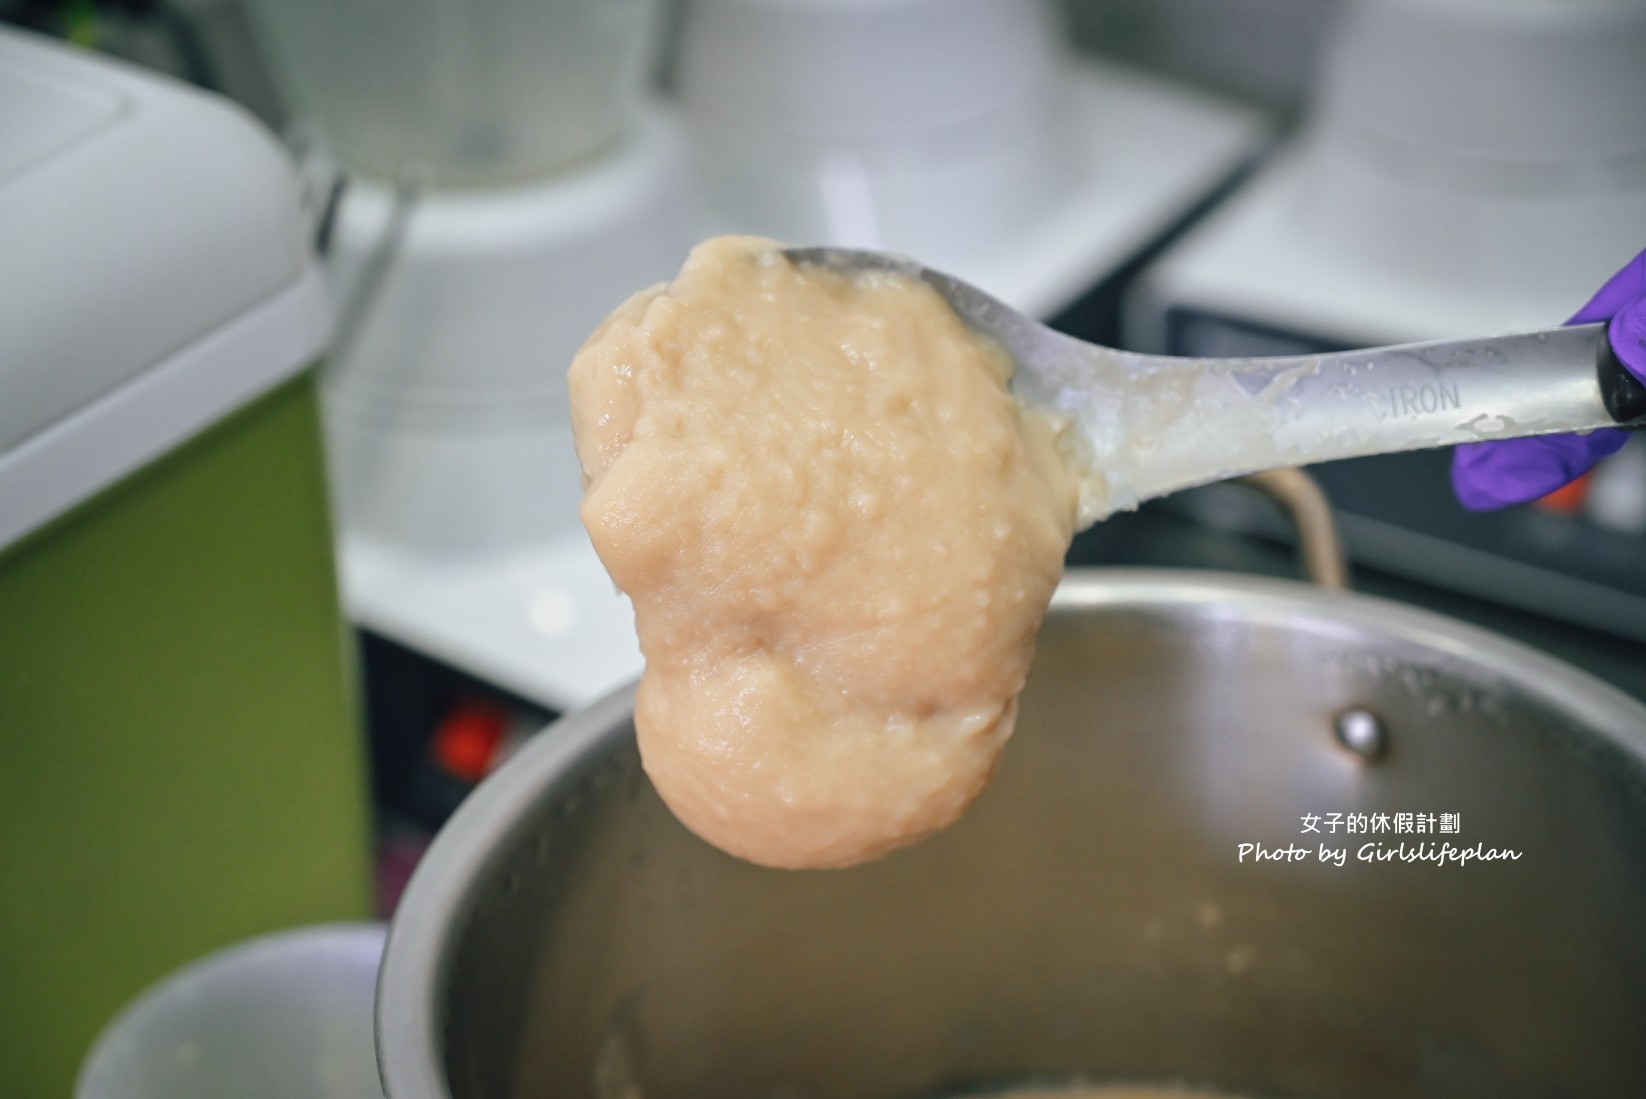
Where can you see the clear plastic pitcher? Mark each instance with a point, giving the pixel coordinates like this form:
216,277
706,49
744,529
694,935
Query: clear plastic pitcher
285,1015
473,92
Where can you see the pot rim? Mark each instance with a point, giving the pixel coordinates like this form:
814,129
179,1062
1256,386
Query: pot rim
410,1046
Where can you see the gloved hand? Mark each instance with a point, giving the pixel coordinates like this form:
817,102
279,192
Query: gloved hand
1487,476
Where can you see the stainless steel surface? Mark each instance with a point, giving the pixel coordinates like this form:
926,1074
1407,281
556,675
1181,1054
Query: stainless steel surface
566,937
1151,425
1362,733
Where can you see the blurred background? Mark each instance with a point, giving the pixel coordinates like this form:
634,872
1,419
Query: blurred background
291,285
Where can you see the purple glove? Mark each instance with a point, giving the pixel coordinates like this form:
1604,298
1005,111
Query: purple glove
1487,476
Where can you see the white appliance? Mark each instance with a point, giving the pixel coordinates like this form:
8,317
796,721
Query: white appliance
962,132
508,183
1468,167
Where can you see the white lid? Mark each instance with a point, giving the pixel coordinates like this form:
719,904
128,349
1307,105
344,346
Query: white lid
871,73
143,223
1445,86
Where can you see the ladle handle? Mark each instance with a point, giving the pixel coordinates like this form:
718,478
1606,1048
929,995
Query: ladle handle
1238,416
1622,392
1455,391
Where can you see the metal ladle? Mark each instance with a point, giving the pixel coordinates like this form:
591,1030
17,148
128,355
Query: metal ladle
1142,426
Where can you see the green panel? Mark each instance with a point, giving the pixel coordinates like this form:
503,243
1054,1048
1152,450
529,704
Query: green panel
179,734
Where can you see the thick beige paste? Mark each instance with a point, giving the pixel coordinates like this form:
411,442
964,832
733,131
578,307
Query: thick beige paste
840,534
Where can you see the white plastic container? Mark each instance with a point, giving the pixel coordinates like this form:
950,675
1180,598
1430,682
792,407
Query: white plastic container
963,132
448,421
476,92
289,1014
933,124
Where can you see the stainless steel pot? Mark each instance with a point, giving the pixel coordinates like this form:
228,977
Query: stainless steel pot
1093,914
